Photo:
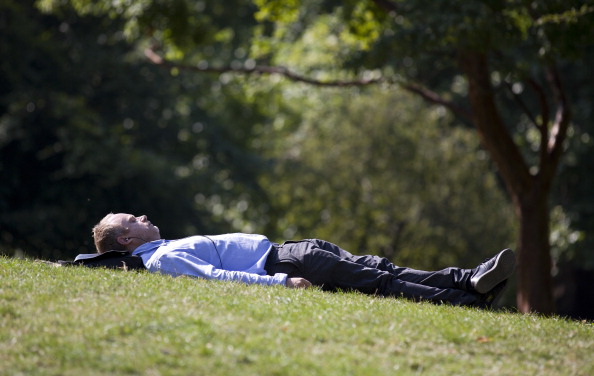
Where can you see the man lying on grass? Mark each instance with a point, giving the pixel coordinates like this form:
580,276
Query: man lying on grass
253,258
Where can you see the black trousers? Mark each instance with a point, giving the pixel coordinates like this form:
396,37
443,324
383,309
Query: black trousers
332,268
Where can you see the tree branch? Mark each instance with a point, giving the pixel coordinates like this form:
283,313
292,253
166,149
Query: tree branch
425,93
544,124
494,136
435,98
542,98
522,104
263,69
562,119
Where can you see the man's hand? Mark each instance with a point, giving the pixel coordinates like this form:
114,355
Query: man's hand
298,283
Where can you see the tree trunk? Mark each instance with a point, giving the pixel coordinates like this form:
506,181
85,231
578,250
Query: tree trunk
529,192
534,264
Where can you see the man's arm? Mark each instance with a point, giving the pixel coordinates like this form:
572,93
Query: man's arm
182,263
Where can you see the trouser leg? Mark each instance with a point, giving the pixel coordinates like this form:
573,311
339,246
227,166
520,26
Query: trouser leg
326,265
456,278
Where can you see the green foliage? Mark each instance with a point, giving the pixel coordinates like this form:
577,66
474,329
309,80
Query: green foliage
202,146
176,26
86,128
277,11
74,321
573,190
374,173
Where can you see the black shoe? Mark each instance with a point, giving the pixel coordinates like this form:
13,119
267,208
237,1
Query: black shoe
492,297
492,272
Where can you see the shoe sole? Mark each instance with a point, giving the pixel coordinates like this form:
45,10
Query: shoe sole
505,263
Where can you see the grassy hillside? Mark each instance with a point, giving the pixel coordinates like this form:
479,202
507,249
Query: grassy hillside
78,321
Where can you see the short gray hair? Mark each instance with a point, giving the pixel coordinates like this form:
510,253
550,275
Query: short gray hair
105,235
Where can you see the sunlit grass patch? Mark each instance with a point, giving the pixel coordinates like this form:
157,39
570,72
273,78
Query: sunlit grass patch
73,321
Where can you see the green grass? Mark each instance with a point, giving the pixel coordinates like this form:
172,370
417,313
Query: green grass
79,321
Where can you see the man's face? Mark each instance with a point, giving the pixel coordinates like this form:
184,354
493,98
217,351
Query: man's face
140,229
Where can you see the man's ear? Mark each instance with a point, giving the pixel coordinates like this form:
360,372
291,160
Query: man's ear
123,240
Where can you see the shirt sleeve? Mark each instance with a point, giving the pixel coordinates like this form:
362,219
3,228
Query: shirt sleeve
183,263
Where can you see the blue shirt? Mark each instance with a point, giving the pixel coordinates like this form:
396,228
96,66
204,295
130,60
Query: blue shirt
228,257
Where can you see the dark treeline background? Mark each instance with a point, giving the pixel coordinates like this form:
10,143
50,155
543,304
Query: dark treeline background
88,125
